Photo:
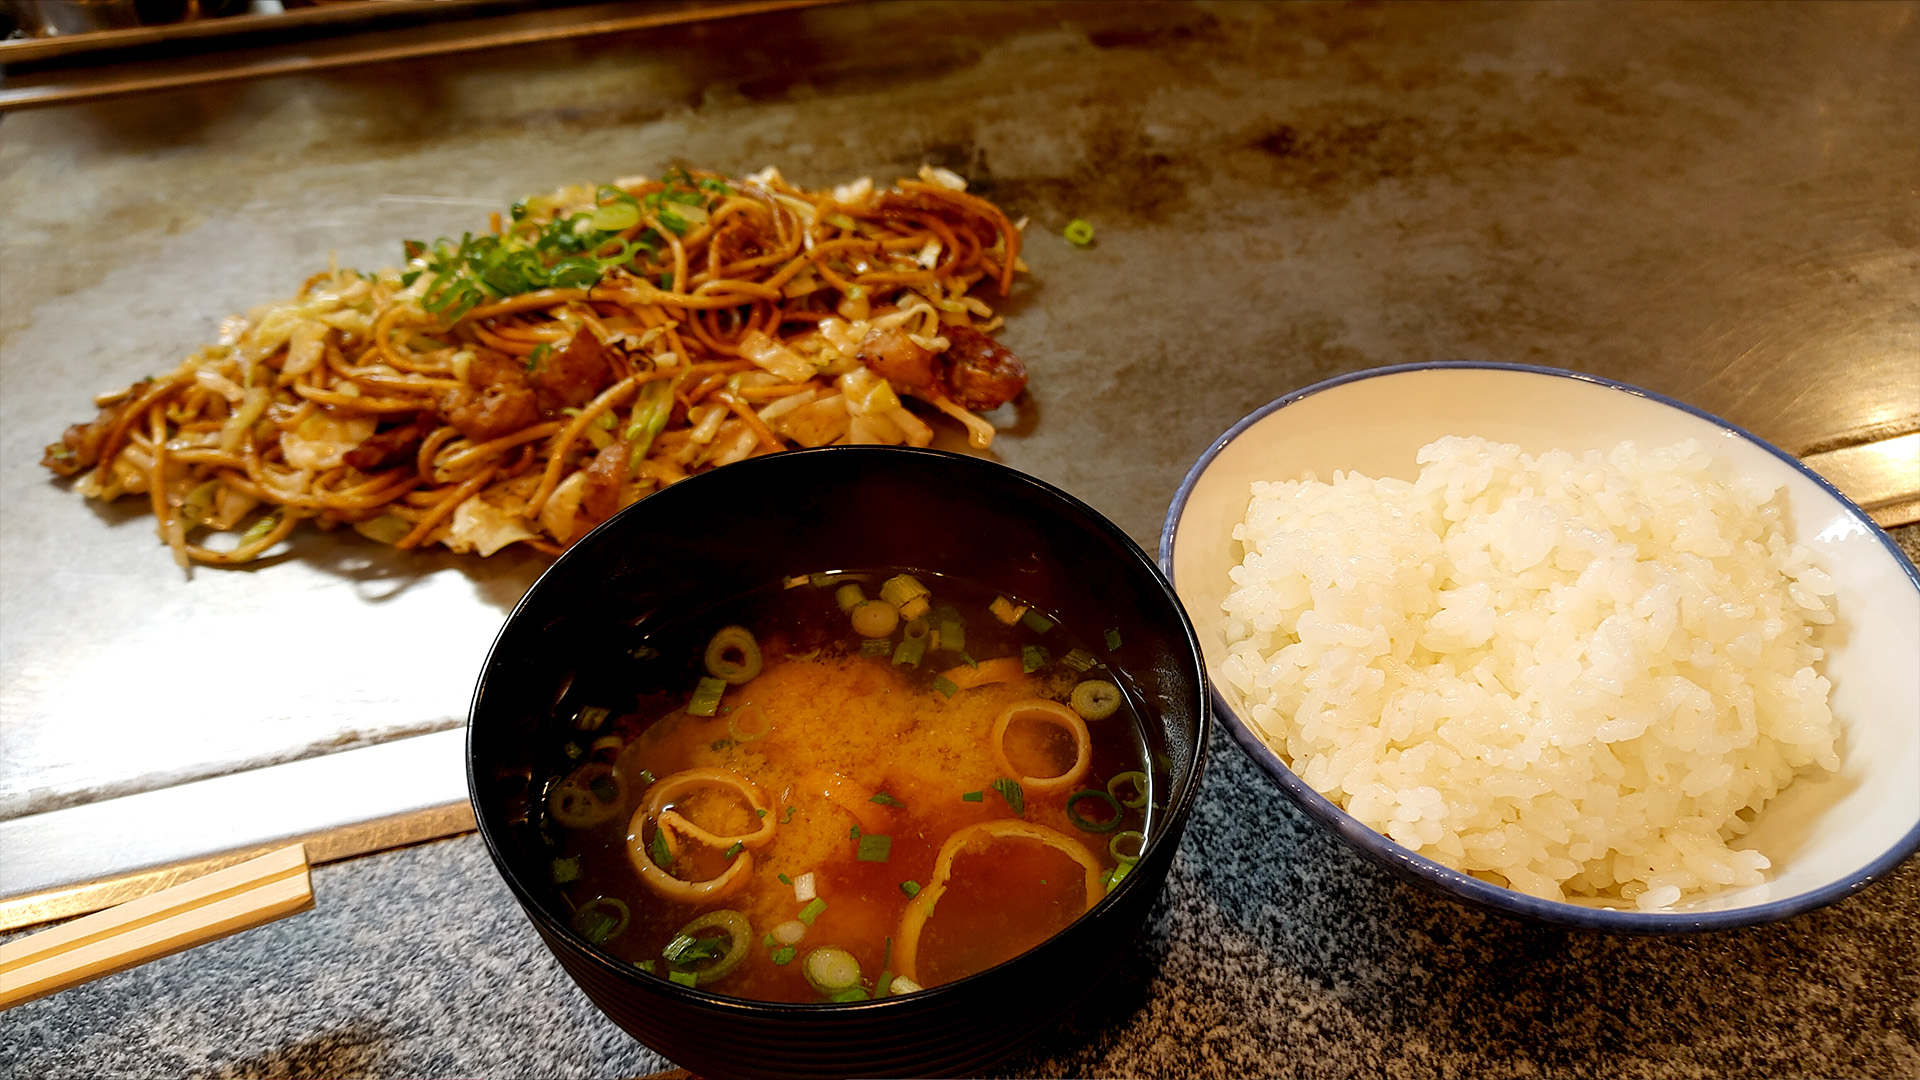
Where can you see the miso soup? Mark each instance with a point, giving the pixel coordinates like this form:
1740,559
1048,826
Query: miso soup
847,786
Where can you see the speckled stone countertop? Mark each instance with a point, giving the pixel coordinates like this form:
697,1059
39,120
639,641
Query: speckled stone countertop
1713,201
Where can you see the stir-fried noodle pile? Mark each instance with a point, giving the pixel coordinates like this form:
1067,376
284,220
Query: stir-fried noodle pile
523,385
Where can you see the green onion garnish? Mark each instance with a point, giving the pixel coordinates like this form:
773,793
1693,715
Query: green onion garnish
1079,660
767,941
1036,622
911,888
662,856
1079,232
1127,847
1085,824
952,634
783,955
789,815
885,799
706,697
590,718
647,777
910,651
853,833
812,910
736,849
684,978
1032,659
718,745
1113,639
784,879
1119,874
644,965
1137,781
972,796
1010,791
876,647
565,870
875,848
572,750
945,686
851,993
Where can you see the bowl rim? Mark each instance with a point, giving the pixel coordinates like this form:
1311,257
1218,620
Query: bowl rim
1177,812
1424,871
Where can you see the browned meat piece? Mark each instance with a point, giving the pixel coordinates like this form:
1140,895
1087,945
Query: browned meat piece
980,373
390,447
894,357
605,477
79,448
570,377
496,400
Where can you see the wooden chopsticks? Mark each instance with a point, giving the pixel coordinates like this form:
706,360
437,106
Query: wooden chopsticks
192,913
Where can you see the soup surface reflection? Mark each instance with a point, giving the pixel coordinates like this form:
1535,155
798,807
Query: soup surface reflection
796,810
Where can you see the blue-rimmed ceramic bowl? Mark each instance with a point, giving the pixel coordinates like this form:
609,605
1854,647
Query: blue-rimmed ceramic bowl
1827,836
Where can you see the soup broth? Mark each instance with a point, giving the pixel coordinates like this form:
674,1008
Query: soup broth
848,786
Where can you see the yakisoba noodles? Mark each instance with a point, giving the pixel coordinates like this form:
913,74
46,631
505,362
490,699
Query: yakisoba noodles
521,386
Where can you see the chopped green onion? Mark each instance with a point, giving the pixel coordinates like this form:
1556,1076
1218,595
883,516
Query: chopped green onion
657,848
688,948
1113,639
849,596
1095,699
1085,824
1079,232
601,919
1010,791
758,812
728,642
945,686
540,352
644,965
876,647
1036,622
886,971
706,697
748,723
1119,874
684,978
735,849
831,970
851,993
718,745
1032,659
767,941
783,955
875,848
647,777
948,628
590,718
572,750
885,799
853,833
902,591
911,650
789,814
565,870
1127,847
1079,660
911,888
784,879
812,910
1137,780
972,796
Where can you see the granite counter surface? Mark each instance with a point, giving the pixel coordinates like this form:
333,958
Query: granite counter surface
1714,201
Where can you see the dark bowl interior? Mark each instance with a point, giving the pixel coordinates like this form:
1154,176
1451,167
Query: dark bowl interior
846,507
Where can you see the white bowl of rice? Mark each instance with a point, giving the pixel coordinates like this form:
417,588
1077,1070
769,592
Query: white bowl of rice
1558,646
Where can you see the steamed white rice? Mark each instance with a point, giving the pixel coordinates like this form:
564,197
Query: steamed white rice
1576,675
